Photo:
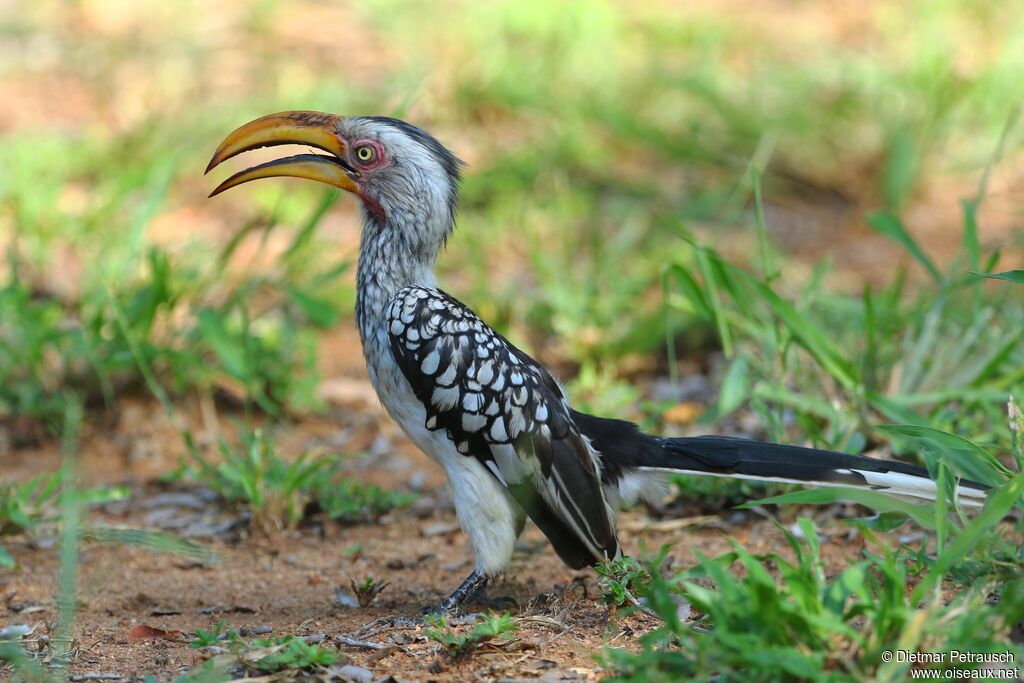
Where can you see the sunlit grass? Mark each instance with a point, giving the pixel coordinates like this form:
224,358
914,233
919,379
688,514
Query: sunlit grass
599,136
609,214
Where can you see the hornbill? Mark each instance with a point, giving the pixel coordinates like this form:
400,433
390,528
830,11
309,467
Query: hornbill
499,424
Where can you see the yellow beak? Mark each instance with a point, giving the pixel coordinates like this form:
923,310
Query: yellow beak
290,128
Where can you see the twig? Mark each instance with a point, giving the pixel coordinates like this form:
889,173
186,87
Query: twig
547,621
365,644
646,524
97,677
384,623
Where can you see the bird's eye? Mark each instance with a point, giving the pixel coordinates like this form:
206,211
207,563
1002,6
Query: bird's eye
365,154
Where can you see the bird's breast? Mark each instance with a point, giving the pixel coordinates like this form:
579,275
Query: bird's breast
397,397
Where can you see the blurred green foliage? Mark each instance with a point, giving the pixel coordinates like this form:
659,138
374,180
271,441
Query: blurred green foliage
633,169
279,493
599,135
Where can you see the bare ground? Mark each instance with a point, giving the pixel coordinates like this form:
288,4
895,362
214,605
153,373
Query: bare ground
287,581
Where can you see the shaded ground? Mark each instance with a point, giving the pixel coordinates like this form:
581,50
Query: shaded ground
288,583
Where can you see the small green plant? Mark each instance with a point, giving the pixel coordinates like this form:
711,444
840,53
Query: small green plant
368,589
348,500
621,579
291,654
23,506
254,474
458,645
280,493
214,636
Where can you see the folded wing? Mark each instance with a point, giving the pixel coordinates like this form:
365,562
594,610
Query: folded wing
501,407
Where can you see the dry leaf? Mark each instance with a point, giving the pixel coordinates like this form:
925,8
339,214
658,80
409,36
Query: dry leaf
146,632
683,413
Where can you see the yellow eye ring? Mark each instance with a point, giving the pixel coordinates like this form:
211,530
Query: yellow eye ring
365,153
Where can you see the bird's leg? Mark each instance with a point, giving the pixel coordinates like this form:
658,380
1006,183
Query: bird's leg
450,607
473,584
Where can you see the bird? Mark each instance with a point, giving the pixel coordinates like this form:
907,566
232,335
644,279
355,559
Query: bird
500,425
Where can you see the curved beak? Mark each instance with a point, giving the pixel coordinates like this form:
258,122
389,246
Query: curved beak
290,128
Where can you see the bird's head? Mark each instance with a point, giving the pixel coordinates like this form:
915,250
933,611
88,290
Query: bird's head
408,181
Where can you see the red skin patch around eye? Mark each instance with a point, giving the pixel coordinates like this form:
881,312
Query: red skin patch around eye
380,159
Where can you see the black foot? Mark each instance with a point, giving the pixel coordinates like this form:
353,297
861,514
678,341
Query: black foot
473,589
398,621
463,594
426,618
449,608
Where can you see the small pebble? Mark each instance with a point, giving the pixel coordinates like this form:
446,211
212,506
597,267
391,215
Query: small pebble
356,674
250,631
344,599
15,631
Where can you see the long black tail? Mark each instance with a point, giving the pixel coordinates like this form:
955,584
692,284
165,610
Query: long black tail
626,453
720,456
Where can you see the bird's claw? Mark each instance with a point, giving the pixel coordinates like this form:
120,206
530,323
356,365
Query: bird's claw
382,624
431,611
430,614
428,617
468,618
401,621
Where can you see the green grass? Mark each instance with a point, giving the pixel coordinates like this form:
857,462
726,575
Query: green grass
603,227
256,334
70,500
883,356
35,507
460,645
22,506
780,620
892,376
280,493
291,654
650,141
258,655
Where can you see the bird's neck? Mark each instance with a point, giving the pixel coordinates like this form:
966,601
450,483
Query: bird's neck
390,258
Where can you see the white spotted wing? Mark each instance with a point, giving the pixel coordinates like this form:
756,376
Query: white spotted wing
500,406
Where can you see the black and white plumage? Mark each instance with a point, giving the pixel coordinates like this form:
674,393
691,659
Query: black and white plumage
497,405
496,421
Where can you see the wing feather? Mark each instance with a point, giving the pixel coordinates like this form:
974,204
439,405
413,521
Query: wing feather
500,406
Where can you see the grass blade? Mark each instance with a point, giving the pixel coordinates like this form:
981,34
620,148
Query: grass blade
890,226
967,458
809,337
878,501
978,529
1016,276
153,540
715,302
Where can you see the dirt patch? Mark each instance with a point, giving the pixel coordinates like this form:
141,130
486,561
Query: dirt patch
288,582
